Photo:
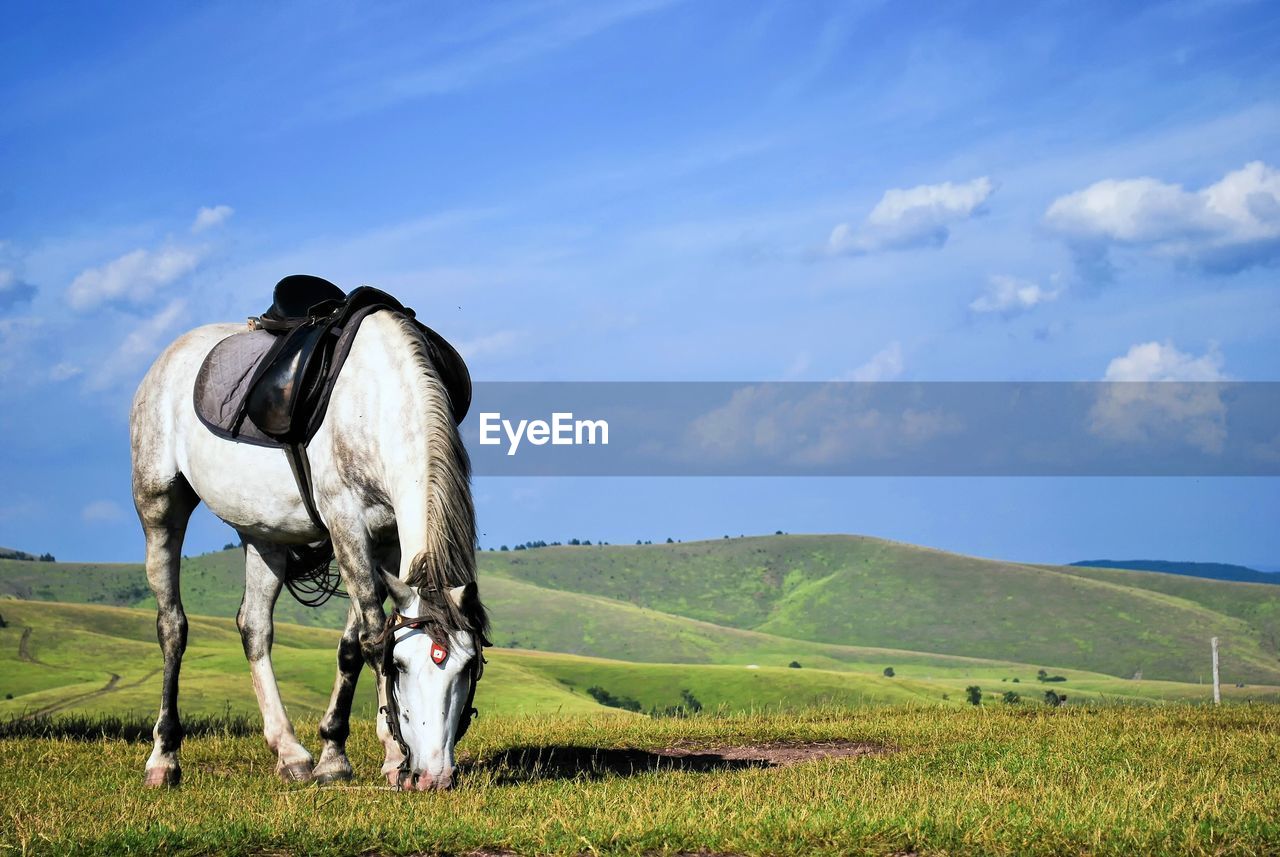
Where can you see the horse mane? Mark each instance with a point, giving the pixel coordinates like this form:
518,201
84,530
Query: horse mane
449,558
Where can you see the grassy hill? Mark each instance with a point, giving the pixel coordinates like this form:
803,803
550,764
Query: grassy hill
212,584
60,658
861,591
832,602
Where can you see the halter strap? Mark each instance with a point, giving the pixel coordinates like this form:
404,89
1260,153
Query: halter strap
391,710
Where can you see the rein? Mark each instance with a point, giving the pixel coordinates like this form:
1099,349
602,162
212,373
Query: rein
391,710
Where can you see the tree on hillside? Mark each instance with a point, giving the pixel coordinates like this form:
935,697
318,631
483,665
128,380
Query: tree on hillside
888,672
1052,699
47,557
1011,697
669,541
604,697
974,694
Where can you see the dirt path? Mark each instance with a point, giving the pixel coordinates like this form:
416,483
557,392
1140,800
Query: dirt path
112,683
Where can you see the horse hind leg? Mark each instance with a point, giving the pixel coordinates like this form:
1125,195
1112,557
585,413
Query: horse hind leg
264,578
164,509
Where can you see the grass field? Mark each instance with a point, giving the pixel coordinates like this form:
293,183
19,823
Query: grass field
1125,767
1109,780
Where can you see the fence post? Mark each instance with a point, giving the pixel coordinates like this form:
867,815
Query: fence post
1217,688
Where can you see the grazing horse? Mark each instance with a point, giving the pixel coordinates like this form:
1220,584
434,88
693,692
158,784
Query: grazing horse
391,483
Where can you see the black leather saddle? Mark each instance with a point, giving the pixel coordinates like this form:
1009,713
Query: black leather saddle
270,385
309,315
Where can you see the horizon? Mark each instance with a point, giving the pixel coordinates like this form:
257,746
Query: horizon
586,541
657,190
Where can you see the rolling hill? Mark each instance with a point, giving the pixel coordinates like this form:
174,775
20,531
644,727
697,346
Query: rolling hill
861,591
842,603
58,658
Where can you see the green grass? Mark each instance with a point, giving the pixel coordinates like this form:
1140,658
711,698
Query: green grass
1111,780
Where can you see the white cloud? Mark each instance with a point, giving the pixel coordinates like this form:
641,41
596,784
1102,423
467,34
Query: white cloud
211,216
132,278
1010,296
806,425
142,344
1228,226
491,49
102,512
884,365
1160,395
64,372
1155,361
490,345
912,217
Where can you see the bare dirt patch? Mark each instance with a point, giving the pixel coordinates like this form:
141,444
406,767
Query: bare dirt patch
573,762
782,753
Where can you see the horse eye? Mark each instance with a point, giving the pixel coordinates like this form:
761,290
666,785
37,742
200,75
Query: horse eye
402,666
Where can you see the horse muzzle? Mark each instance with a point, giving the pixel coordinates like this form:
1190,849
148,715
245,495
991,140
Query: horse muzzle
422,781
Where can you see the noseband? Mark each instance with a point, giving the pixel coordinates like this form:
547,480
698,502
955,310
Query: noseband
389,672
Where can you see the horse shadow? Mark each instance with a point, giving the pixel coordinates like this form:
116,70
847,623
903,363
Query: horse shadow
567,762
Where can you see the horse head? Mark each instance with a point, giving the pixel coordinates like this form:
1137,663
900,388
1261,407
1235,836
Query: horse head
431,664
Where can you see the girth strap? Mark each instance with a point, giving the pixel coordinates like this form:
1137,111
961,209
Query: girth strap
301,467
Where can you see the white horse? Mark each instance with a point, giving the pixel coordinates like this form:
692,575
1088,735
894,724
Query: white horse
391,482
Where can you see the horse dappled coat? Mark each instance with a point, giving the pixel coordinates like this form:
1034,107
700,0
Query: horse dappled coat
389,480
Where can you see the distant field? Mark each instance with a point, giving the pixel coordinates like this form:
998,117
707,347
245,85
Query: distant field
834,602
1110,780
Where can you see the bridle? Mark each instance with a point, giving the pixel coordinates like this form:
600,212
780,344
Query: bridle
475,669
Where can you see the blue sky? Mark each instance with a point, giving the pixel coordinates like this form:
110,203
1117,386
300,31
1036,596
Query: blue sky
655,191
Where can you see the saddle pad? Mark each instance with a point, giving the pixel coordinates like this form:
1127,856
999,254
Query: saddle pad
223,383
228,371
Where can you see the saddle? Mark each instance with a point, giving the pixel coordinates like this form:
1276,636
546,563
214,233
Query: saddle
270,385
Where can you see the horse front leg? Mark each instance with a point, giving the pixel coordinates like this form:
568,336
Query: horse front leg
335,726
264,578
359,568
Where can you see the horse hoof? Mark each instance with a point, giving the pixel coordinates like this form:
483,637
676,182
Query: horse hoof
298,772
339,775
163,778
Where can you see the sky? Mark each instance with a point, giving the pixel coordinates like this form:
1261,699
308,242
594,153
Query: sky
659,191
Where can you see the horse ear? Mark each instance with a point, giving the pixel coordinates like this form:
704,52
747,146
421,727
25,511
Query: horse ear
402,594
460,595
